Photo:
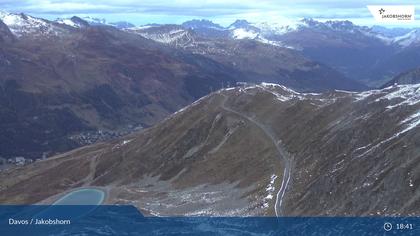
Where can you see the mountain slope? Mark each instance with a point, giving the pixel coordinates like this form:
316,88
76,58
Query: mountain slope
402,60
409,77
63,92
231,153
409,39
348,48
5,34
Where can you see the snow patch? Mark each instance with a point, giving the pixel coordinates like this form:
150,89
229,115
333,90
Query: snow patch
177,37
270,191
409,93
119,145
244,34
126,142
67,22
411,122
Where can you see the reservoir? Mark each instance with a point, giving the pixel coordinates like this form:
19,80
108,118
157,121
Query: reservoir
86,196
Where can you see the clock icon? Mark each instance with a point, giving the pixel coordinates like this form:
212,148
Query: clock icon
387,226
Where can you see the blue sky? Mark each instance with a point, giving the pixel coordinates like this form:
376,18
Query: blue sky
221,11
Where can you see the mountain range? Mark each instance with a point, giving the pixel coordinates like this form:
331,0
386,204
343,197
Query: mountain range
371,55
70,82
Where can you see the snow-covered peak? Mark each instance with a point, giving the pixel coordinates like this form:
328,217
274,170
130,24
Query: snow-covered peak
75,22
268,28
240,24
68,22
21,24
94,20
335,25
80,22
408,39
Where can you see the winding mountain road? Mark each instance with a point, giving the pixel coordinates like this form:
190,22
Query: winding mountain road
284,155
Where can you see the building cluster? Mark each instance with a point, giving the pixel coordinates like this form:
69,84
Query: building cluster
19,161
6,163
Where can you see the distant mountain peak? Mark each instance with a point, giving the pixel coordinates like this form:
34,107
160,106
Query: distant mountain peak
345,24
309,21
203,23
122,24
240,24
79,21
330,24
24,16
95,20
75,22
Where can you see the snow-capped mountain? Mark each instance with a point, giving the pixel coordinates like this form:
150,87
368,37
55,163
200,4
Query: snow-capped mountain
275,28
94,20
242,29
84,21
74,21
275,32
101,21
409,39
243,33
24,25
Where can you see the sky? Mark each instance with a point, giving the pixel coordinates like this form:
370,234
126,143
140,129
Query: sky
224,12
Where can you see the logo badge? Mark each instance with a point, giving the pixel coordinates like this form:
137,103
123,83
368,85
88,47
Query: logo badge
392,13
381,11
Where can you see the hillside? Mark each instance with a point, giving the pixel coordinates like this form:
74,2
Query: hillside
254,150
409,77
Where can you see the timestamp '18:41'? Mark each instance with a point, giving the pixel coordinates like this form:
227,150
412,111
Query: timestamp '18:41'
404,226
